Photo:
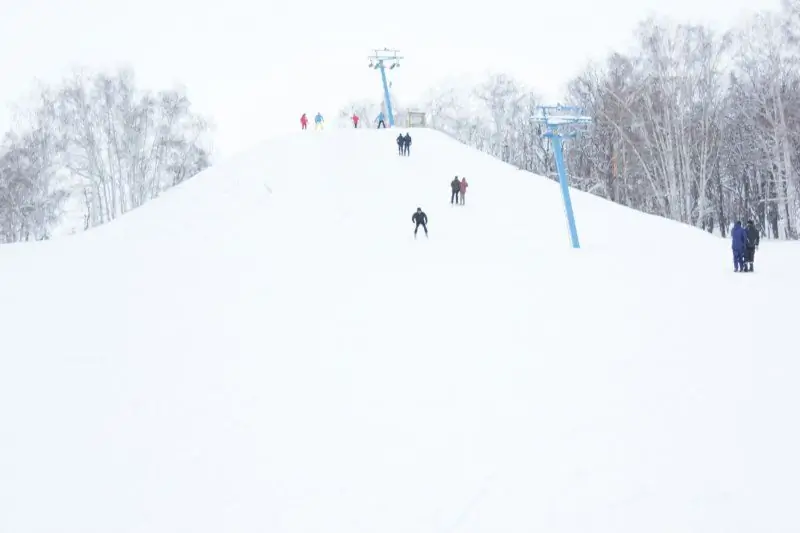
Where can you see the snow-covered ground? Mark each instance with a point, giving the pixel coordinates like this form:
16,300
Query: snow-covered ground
266,348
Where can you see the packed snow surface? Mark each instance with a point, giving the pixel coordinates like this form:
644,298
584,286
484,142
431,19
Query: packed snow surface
266,348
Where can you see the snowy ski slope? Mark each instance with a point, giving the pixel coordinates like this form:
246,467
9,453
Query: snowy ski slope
267,349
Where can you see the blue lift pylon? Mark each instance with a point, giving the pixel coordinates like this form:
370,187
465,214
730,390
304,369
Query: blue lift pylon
379,61
556,120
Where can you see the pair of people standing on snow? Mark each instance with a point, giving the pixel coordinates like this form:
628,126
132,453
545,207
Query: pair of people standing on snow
403,144
745,241
458,189
318,121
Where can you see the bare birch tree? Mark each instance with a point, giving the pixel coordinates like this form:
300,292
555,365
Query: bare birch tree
128,146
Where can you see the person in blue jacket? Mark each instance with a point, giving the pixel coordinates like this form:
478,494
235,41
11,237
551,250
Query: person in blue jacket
318,121
739,245
380,120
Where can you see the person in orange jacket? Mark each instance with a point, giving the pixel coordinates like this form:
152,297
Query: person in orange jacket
462,187
355,120
304,121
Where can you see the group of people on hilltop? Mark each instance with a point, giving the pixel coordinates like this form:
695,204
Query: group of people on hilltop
319,122
745,242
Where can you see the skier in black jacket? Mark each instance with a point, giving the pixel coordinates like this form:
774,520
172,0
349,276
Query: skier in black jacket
406,144
752,244
455,187
420,219
400,142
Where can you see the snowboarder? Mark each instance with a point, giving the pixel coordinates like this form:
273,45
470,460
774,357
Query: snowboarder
380,120
752,244
304,121
406,144
355,120
455,188
739,244
420,219
400,142
462,189
318,121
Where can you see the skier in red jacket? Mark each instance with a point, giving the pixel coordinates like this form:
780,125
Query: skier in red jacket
355,120
304,121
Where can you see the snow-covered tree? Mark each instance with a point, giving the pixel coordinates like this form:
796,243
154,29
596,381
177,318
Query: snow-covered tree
492,114
97,139
30,199
127,146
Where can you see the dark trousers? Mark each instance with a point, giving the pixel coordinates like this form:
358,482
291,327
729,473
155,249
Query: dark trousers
406,148
355,124
381,123
304,126
749,254
738,259
454,197
400,149
425,227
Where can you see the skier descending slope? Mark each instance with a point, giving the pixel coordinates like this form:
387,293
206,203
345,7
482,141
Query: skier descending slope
420,219
739,238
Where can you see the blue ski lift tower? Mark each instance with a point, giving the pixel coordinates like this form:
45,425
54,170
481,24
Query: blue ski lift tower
381,60
560,123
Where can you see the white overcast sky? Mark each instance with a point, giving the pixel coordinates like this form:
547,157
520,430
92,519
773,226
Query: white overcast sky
255,65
